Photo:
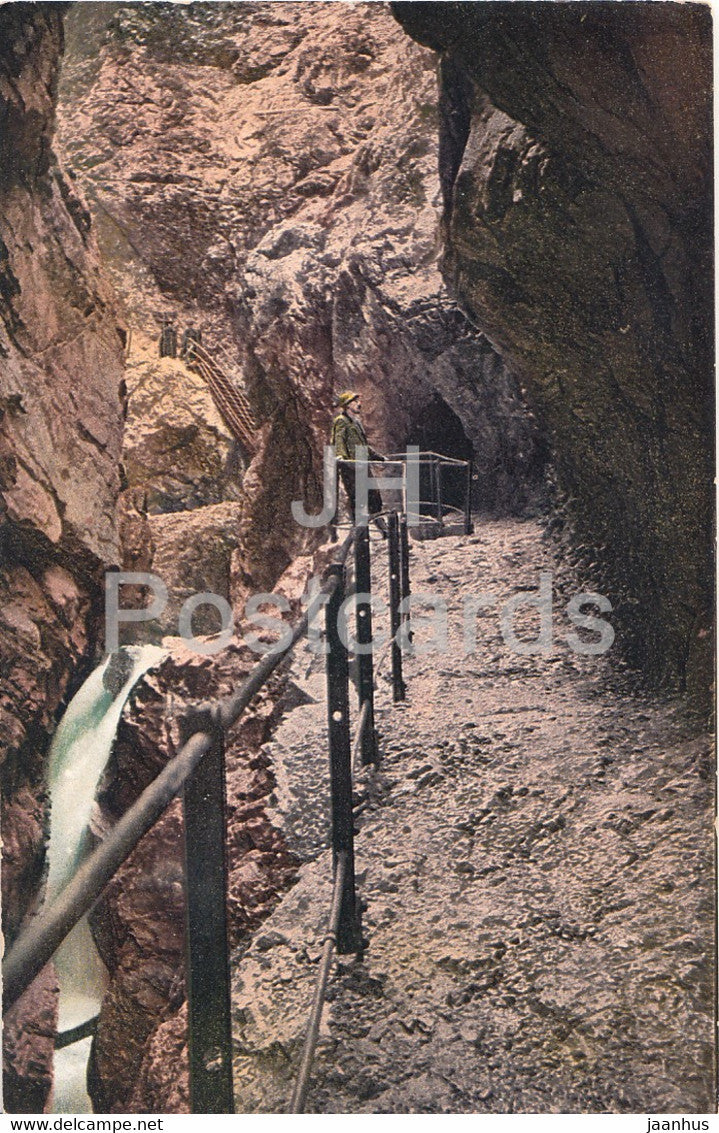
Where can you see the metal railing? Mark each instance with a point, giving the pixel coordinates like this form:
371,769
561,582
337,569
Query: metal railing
198,771
434,514
439,511
299,1094
344,932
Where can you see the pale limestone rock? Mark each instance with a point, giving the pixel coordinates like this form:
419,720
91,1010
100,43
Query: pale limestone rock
176,445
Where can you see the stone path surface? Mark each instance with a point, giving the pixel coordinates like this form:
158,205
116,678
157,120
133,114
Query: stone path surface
536,859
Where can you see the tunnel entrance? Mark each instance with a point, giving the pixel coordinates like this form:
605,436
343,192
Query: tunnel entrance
440,430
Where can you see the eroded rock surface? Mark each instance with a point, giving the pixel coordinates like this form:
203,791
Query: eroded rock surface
60,433
575,158
307,244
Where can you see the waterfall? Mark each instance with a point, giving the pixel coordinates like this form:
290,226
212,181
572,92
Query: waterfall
78,756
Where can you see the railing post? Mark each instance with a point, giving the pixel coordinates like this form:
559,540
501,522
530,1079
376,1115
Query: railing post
363,581
335,521
208,970
398,685
349,932
432,484
404,567
468,500
438,480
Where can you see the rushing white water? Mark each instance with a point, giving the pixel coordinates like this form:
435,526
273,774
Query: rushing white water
78,756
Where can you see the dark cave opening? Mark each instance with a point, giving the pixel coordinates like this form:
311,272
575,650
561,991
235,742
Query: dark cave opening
440,430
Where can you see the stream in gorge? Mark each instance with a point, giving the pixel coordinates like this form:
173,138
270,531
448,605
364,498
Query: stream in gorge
79,754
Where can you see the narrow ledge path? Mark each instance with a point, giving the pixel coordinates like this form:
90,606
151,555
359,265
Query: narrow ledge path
536,858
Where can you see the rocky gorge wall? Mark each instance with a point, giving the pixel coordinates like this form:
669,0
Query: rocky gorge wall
576,164
60,436
272,170
253,170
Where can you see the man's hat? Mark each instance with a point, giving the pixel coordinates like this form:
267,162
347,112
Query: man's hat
346,398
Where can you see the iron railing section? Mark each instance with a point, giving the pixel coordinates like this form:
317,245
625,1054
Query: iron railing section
198,767
73,1035
362,729
345,932
349,929
363,618
424,456
436,463
209,1024
299,1096
395,598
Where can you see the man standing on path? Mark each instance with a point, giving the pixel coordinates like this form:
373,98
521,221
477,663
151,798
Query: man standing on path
347,436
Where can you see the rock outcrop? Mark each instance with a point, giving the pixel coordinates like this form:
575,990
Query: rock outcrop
575,160
177,447
60,435
194,556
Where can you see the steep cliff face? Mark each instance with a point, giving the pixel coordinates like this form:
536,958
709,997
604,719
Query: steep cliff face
575,158
273,169
60,434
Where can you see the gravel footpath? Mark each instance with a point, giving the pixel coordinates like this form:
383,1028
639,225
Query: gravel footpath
536,857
